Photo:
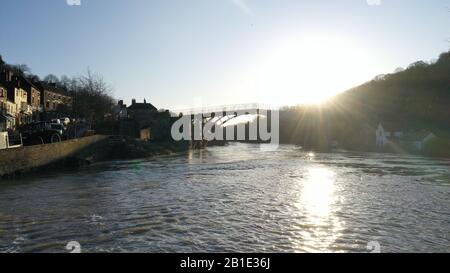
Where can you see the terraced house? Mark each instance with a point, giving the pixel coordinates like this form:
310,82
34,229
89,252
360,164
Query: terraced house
17,94
7,111
33,98
54,98
23,101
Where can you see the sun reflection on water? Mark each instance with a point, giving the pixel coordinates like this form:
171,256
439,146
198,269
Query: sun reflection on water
318,192
317,207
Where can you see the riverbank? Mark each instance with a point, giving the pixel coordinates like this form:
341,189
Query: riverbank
27,159
80,152
123,148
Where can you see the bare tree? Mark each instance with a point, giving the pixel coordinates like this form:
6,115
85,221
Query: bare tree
50,78
20,69
92,96
399,69
34,78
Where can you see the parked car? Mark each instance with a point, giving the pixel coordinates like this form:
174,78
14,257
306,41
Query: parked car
42,133
58,127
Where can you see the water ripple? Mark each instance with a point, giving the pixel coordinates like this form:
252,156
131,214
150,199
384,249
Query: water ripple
234,199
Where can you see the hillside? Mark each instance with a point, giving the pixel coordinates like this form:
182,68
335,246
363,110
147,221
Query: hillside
417,98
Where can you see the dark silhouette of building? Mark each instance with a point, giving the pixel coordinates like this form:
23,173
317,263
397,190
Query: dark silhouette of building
142,120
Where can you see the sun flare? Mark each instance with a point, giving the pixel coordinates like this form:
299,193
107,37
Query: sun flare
311,70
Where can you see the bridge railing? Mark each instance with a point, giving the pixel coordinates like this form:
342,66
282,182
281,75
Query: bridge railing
223,108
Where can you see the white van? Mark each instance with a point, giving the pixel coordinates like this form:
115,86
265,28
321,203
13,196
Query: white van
5,143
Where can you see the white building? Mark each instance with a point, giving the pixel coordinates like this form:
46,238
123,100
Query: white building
412,141
386,134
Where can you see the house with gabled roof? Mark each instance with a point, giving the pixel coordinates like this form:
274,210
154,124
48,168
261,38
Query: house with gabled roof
7,110
17,94
54,98
386,133
414,141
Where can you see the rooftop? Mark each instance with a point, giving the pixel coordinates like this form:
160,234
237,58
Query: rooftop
52,87
142,106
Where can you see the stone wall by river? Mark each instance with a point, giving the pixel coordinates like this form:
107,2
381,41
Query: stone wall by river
27,158
77,152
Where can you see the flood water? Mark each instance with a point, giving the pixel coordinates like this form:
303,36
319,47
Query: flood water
238,198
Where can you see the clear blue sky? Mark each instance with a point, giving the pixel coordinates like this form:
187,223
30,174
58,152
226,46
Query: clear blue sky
178,52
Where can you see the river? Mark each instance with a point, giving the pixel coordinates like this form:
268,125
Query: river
237,198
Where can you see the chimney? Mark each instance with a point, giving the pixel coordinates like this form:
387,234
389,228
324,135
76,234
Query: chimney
133,101
145,102
9,76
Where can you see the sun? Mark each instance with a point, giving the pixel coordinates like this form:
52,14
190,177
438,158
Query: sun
311,69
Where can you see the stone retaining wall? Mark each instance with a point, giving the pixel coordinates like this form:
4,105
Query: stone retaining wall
27,158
